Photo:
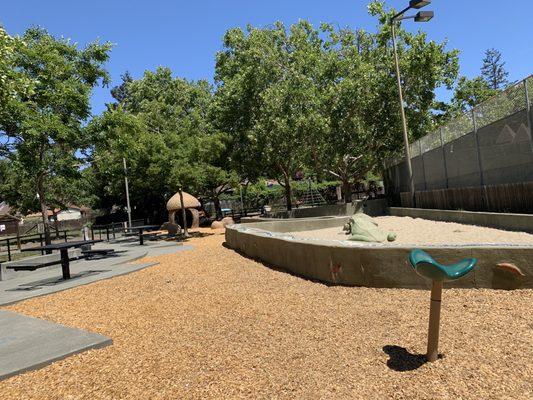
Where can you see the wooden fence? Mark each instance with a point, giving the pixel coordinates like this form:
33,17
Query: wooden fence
511,197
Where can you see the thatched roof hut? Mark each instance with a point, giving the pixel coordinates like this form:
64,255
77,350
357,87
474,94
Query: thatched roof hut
189,200
191,204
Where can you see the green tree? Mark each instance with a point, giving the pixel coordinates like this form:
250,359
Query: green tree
324,99
268,99
493,70
161,125
44,125
469,93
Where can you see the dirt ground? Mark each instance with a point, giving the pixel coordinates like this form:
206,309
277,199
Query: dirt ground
417,231
210,324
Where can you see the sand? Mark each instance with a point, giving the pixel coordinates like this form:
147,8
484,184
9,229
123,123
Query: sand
417,231
210,324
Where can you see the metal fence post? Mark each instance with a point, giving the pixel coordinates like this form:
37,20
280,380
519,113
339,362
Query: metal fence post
529,116
444,158
8,250
423,166
484,204
480,166
65,235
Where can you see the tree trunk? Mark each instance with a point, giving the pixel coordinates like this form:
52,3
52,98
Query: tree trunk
288,192
56,223
346,190
218,208
245,197
183,214
44,215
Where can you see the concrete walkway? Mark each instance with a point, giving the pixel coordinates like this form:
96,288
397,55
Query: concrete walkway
28,343
48,280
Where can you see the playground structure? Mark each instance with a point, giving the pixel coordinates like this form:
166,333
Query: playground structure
428,268
190,203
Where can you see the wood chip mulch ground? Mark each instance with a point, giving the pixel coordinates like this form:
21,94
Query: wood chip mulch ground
210,324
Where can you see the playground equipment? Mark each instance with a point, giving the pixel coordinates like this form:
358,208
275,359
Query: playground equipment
363,228
428,268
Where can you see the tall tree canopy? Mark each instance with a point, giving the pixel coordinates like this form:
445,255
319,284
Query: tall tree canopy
493,70
161,125
469,93
42,121
307,98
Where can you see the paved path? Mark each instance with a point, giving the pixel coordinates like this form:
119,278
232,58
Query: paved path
28,343
48,280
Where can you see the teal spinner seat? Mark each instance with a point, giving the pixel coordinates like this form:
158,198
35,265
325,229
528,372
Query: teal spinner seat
427,267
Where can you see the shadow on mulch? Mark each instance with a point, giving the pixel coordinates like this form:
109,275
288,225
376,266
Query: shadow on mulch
199,234
279,269
401,360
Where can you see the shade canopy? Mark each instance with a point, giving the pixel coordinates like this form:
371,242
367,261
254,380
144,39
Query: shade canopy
189,201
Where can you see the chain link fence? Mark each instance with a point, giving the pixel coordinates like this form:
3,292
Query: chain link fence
489,146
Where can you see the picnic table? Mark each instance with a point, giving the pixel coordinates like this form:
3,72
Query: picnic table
63,249
141,229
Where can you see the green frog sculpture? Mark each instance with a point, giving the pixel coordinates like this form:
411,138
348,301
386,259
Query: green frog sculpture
363,228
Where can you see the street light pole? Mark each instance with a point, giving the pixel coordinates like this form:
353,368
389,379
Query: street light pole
404,121
127,191
421,16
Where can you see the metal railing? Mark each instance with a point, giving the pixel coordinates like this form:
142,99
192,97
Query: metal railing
12,244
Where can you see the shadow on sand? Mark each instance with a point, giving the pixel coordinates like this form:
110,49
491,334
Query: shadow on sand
401,360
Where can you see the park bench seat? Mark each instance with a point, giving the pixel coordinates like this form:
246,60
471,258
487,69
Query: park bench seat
32,266
92,252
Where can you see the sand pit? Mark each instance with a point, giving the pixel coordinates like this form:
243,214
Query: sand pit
417,231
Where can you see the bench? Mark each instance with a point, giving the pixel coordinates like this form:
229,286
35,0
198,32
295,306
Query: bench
92,252
31,266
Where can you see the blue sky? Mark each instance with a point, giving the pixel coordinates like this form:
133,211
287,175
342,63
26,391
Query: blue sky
185,35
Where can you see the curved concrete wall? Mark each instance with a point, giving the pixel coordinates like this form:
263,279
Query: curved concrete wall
371,265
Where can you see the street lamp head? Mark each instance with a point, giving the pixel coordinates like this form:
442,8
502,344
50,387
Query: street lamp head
418,3
423,16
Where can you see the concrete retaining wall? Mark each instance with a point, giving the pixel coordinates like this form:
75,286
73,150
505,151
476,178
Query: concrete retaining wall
512,222
371,207
369,265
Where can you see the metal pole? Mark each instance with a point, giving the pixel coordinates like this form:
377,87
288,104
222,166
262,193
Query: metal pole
444,158
480,165
127,191
481,178
404,121
423,166
529,116
8,250
434,322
